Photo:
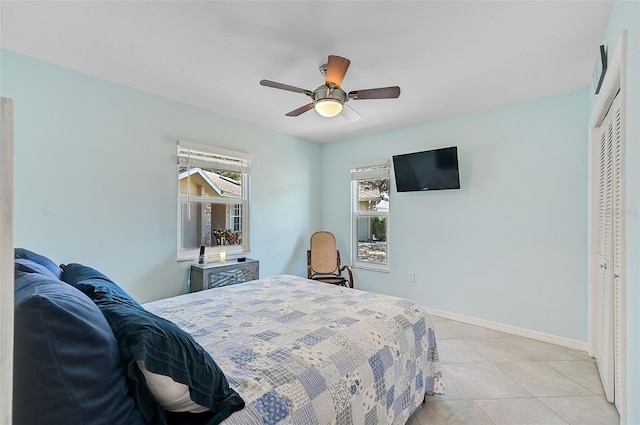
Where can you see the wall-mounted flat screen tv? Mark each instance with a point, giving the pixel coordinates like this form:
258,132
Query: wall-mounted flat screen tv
435,169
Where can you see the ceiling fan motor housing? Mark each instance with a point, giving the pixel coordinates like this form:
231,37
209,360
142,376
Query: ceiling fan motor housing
327,92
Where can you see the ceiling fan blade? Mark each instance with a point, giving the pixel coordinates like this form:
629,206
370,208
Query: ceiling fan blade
301,110
349,113
380,93
336,68
281,86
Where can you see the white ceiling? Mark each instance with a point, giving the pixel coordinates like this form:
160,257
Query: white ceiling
448,57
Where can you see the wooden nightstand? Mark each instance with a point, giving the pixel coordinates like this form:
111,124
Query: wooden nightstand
216,275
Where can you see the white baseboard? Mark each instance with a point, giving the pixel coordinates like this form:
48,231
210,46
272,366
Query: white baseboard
514,330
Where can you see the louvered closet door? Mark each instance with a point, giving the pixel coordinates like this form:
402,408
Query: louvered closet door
604,308
609,250
618,247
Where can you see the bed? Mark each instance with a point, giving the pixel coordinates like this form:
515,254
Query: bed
304,352
287,350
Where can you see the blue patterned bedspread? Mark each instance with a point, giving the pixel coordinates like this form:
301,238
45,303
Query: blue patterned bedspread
303,352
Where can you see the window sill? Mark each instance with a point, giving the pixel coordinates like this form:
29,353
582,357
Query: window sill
371,268
213,256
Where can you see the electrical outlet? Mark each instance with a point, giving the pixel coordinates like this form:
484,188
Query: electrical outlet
412,277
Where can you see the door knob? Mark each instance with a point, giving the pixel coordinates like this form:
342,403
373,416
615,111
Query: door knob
615,276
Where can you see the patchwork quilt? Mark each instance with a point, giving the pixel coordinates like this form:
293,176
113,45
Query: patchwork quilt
304,352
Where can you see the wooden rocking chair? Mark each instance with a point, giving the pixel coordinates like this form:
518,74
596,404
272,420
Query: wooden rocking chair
323,261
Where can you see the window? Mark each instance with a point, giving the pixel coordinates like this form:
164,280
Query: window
213,200
236,218
370,209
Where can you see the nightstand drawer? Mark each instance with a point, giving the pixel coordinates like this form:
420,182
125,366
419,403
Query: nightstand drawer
229,273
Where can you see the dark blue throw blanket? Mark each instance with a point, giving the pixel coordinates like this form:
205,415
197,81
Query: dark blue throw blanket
165,349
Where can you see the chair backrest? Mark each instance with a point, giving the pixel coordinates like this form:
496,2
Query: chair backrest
324,255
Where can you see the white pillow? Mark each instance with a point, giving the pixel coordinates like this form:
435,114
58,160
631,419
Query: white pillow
171,395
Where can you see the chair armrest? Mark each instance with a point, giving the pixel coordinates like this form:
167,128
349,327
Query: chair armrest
348,269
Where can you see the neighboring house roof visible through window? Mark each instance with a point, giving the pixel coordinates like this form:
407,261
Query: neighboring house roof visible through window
214,183
229,186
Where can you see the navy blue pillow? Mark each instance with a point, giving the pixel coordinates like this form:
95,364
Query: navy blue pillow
28,266
165,349
67,365
93,283
25,254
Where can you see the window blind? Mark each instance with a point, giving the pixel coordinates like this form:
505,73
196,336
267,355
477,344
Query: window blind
192,155
370,170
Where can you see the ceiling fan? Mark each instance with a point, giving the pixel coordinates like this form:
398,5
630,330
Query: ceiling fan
329,99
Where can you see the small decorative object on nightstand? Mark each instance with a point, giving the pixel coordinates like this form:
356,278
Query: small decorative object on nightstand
215,275
223,250
202,258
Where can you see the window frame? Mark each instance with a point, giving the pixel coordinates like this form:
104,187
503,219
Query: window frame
368,171
225,160
233,216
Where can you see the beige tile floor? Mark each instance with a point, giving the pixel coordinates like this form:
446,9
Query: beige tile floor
495,378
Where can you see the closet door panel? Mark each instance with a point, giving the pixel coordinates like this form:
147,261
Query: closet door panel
604,293
618,250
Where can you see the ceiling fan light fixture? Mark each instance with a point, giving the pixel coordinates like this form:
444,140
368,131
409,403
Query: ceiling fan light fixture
328,107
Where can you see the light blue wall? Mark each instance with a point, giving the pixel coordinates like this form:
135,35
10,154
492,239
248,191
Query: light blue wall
625,15
95,177
94,173
511,245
